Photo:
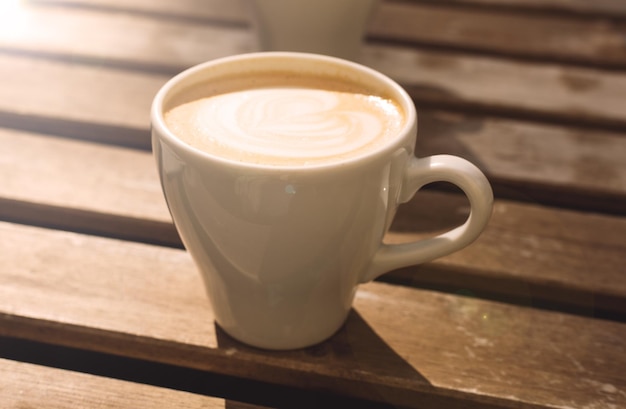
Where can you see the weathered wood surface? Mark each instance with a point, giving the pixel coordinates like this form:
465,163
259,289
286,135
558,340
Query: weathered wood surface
122,39
212,11
546,30
528,251
532,162
512,153
531,91
528,254
545,93
233,9
518,156
548,37
583,8
80,175
434,78
24,385
147,302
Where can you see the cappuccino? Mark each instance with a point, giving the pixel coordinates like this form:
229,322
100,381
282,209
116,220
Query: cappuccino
300,163
284,119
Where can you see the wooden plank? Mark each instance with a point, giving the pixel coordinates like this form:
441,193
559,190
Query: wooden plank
563,155
80,175
434,78
26,385
401,346
551,31
512,153
528,255
234,9
56,95
211,11
490,86
72,185
545,37
132,39
582,8
66,93
520,157
80,186
531,162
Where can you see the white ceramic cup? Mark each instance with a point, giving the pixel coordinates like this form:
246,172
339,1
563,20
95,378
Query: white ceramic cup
329,27
282,250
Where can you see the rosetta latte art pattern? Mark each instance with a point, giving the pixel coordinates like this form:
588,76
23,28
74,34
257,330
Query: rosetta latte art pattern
288,123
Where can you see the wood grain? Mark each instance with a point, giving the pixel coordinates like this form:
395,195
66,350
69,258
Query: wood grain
65,93
548,31
579,8
515,155
546,37
531,162
544,93
234,9
530,91
26,385
131,39
518,156
80,175
210,11
434,77
147,302
528,253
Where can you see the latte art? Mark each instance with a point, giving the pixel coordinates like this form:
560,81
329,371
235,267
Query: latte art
286,125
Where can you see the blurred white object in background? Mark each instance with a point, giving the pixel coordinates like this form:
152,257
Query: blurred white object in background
330,27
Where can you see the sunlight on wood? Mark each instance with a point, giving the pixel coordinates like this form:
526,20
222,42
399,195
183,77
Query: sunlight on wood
13,19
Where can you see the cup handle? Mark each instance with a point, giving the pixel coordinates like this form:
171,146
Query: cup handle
419,172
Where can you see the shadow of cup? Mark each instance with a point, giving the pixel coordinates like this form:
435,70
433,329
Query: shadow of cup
355,362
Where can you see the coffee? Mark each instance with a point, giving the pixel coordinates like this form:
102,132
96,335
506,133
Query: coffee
284,238
284,119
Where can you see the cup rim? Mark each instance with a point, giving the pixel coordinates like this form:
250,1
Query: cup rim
407,132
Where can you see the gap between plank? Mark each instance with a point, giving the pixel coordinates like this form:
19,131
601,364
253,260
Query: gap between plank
172,376
424,99
100,62
170,364
427,276
90,222
570,300
157,15
546,58
107,134
547,8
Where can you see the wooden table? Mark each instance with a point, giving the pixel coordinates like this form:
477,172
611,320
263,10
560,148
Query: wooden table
101,307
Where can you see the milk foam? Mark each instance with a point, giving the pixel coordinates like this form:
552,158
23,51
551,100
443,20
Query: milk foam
286,125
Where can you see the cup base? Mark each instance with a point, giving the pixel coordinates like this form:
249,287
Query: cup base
228,339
